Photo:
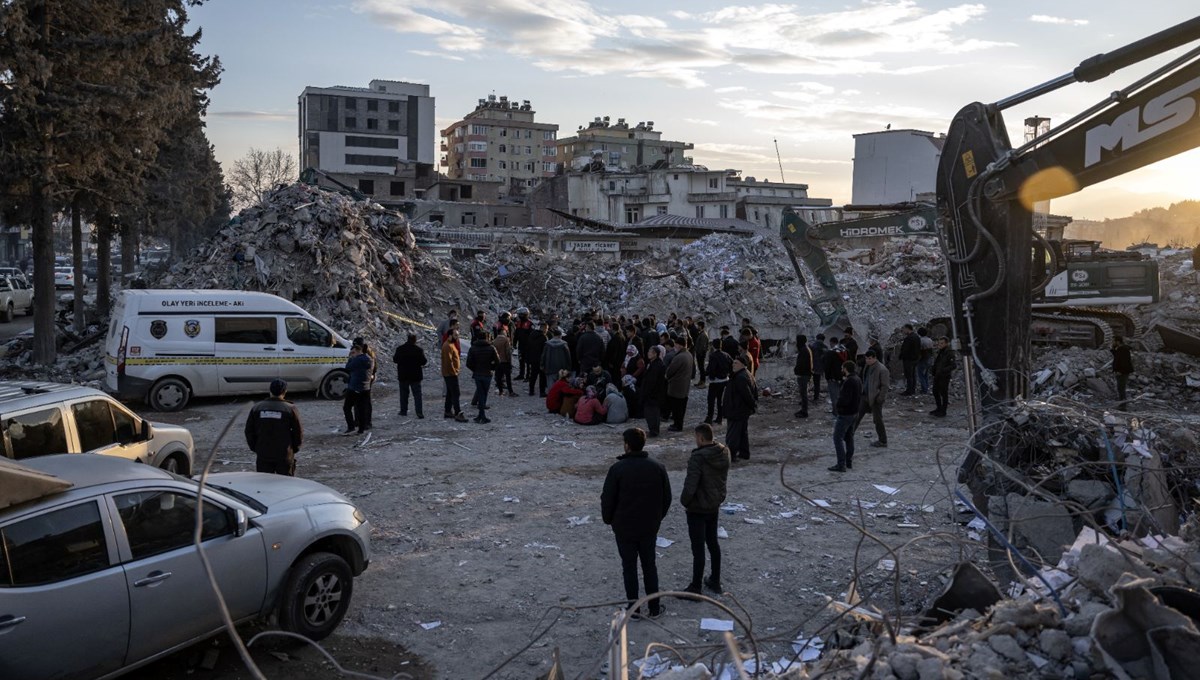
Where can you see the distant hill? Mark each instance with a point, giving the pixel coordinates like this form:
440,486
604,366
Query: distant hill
1177,225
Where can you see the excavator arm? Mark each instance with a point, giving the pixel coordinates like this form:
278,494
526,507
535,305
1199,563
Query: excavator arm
804,242
986,190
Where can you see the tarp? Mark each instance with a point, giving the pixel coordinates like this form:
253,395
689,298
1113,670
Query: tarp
19,484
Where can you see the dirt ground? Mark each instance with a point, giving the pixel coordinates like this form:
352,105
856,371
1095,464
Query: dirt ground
472,530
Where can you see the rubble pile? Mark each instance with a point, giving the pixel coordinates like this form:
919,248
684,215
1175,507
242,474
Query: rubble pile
1168,377
350,263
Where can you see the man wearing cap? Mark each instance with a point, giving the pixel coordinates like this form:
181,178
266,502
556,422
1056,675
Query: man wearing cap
274,433
876,382
741,401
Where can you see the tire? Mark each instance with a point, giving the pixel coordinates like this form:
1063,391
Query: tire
8,314
333,386
169,394
176,463
316,596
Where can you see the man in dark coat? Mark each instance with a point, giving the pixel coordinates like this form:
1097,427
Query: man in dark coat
410,361
357,404
817,347
876,383
556,356
831,363
653,389
614,352
845,415
589,348
1122,367
700,345
679,384
481,361
910,356
531,349
274,433
741,401
803,372
720,365
636,498
943,368
521,329
703,494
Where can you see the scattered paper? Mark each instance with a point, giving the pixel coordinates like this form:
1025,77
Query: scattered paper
651,666
820,503
789,514
887,565
663,542
429,626
866,505
511,499
730,508
716,624
542,546
752,520
889,490
907,525
809,649
721,533
579,521
928,508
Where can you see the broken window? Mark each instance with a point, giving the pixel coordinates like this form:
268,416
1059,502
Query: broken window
367,186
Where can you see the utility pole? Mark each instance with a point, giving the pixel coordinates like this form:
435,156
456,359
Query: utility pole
780,159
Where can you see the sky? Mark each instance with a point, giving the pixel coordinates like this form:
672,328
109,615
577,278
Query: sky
732,79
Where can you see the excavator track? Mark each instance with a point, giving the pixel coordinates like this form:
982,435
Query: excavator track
1076,330
1122,324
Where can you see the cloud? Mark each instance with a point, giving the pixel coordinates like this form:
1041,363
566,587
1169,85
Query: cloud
701,121
251,115
436,55
727,90
1046,19
833,118
575,37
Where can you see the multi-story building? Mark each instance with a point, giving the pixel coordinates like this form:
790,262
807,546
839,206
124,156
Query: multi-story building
372,138
500,141
628,197
895,166
762,202
619,147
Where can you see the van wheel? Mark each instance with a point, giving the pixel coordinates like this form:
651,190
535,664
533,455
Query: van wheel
169,394
334,385
8,313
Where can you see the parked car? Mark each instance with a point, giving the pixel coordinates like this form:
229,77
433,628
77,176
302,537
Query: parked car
108,566
16,296
16,273
38,419
64,277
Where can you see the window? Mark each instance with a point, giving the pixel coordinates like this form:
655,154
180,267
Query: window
549,167
367,186
612,186
660,210
548,151
372,142
366,159
372,124
529,134
372,104
351,104
393,107
468,218
503,132
516,150
94,423
40,433
476,146
393,126
604,147
54,546
465,191
503,148
529,151
713,183
699,211
632,214
478,162
458,131
351,123
479,129
548,134
397,188
503,165
501,220
158,521
246,329
614,157
529,167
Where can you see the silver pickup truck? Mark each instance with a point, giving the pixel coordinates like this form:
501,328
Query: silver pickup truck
16,295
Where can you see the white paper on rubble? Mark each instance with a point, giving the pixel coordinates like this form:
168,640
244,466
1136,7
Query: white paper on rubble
579,521
429,626
721,533
651,666
809,649
718,625
663,542
820,503
889,490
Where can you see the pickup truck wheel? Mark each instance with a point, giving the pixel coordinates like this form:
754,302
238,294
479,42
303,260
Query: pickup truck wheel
169,394
334,385
8,314
175,463
316,596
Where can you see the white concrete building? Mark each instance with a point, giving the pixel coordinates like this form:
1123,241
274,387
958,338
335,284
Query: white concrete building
762,202
895,166
630,197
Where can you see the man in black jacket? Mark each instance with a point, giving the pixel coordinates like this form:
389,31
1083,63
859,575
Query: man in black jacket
831,363
910,355
1123,367
589,348
803,372
818,354
481,361
521,329
653,389
274,433
703,493
532,348
636,498
410,361
741,400
943,368
845,412
700,343
720,365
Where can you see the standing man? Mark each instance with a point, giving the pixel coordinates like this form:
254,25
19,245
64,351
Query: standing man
803,372
701,343
831,362
818,354
357,405
720,365
522,329
1122,366
876,381
741,401
556,356
679,382
653,389
851,345
927,349
636,498
503,347
943,368
274,433
451,365
703,494
481,361
531,351
910,355
443,329
410,362
589,348
845,415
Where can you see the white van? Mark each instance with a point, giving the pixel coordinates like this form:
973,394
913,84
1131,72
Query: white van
166,346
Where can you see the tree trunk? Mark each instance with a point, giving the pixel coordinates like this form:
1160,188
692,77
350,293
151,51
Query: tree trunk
80,322
128,250
103,258
45,335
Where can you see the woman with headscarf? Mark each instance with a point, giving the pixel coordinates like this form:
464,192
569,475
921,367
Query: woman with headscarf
590,410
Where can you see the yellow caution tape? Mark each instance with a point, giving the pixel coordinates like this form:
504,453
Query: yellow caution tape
412,321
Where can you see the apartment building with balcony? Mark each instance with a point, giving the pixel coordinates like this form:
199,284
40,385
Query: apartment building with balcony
500,142
378,139
762,202
602,145
629,197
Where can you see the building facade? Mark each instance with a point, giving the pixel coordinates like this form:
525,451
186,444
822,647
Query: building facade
619,147
500,142
895,166
629,197
762,202
368,137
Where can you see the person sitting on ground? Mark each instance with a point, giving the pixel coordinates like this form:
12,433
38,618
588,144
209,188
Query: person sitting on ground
598,377
590,410
617,409
559,390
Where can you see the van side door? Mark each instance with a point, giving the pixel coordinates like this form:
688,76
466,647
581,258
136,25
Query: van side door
248,353
309,352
